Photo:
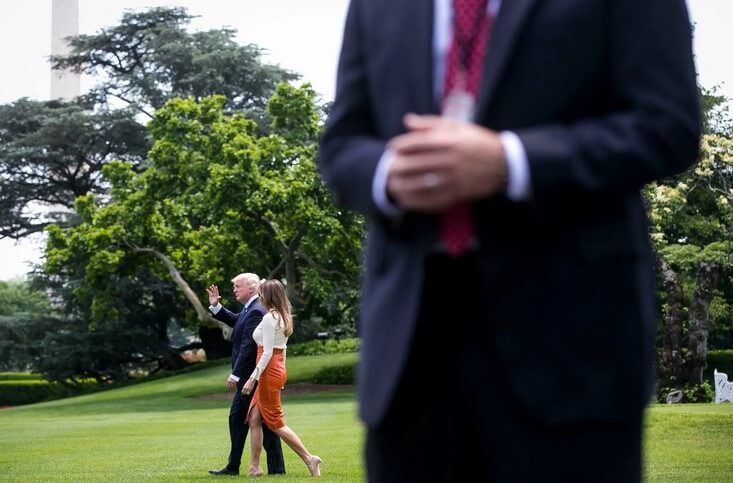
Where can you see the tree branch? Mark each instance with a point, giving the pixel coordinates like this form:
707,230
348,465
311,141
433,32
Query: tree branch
201,313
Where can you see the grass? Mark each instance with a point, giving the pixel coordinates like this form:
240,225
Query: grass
161,431
689,442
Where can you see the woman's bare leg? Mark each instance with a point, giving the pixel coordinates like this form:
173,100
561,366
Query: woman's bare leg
292,440
256,441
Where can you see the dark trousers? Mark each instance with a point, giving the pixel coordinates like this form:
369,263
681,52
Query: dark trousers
453,415
238,430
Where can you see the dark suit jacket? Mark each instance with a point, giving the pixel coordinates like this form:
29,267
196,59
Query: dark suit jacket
244,348
602,95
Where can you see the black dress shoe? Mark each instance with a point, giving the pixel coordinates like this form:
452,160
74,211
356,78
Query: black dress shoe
224,471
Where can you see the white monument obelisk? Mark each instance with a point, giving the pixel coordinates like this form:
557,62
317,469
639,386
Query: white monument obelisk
64,23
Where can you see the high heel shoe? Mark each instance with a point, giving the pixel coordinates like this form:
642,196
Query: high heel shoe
255,472
314,465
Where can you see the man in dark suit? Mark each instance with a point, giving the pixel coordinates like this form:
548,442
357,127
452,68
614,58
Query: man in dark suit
244,355
498,150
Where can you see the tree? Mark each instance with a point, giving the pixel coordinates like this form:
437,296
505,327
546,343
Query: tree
52,152
18,297
716,109
150,58
26,315
216,198
692,230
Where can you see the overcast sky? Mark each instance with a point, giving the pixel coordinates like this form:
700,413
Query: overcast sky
300,35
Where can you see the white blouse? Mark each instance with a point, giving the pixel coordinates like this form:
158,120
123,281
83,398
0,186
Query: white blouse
268,334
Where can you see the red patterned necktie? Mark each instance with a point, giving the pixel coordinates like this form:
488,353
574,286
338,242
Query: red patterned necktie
463,67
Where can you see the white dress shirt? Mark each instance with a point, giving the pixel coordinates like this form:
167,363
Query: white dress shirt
269,334
518,187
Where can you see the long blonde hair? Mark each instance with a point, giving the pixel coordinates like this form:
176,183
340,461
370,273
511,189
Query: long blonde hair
274,298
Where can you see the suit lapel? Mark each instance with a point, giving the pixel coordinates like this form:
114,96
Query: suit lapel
242,315
506,28
419,39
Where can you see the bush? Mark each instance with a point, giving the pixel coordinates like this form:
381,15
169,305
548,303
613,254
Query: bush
15,393
345,374
691,393
19,376
320,347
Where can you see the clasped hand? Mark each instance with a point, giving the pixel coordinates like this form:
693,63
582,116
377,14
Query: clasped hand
440,162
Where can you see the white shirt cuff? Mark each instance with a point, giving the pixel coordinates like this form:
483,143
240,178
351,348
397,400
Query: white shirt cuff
233,378
518,186
215,308
379,185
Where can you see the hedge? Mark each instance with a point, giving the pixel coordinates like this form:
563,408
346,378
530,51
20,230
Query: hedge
15,393
320,347
19,376
345,374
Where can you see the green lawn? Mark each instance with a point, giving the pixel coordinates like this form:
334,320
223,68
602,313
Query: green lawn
162,431
689,443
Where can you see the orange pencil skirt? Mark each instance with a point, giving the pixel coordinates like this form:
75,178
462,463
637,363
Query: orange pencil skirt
267,394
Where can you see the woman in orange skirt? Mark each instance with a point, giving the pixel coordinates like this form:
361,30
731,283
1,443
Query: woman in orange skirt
271,336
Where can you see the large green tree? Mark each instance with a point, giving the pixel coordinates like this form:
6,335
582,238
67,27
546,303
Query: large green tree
53,152
151,57
216,199
26,316
227,186
692,231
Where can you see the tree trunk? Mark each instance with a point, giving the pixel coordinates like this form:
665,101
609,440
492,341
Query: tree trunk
290,275
670,363
201,312
705,283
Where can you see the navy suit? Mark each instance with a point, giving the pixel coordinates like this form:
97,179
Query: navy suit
244,358
550,323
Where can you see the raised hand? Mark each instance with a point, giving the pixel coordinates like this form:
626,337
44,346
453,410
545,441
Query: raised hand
213,292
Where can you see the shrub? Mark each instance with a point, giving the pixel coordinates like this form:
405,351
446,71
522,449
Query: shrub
19,376
15,393
345,374
691,393
320,347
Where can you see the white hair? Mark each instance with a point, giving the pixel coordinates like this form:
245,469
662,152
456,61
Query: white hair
251,279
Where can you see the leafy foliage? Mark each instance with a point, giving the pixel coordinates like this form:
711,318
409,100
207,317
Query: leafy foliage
691,393
53,152
692,230
222,179
217,199
26,316
17,297
344,374
318,347
21,337
150,58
